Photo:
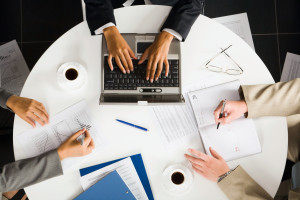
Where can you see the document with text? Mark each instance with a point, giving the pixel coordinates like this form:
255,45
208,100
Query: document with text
239,24
39,140
231,141
291,68
178,122
13,68
127,172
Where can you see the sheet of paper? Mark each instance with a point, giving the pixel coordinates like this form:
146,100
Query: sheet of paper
291,68
239,24
14,70
205,101
126,170
178,122
39,140
231,141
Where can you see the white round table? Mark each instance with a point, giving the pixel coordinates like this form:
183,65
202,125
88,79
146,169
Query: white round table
204,40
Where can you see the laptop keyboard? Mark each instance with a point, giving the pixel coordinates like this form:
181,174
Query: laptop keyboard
116,80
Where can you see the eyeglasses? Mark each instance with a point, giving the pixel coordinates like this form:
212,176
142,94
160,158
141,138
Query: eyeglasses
230,71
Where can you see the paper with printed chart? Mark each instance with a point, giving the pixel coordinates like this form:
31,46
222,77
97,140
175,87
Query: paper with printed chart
127,172
39,140
231,141
13,68
239,24
291,68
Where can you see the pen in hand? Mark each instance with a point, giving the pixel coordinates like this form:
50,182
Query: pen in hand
81,138
222,112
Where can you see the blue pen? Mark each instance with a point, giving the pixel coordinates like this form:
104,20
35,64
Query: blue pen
133,125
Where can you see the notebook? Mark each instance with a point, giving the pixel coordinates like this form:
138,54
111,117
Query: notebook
111,187
139,167
235,140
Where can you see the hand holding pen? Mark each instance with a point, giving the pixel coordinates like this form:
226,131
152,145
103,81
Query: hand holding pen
72,147
222,112
232,110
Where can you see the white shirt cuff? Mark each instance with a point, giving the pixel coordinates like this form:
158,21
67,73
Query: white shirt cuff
174,33
100,30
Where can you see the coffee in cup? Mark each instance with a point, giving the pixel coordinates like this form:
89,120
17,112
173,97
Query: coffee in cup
71,74
177,178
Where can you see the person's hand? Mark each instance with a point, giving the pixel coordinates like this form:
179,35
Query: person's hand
157,55
118,49
28,109
233,110
209,167
72,148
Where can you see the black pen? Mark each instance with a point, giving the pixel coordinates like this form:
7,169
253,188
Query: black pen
221,114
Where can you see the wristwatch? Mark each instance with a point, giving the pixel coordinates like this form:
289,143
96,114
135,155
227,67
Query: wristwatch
224,175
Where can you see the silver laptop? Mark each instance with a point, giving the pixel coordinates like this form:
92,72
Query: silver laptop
133,88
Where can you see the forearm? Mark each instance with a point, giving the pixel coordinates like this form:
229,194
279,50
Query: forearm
280,99
183,15
30,171
4,96
99,13
239,185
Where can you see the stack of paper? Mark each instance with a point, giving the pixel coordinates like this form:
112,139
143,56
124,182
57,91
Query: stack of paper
13,68
291,68
111,187
231,141
130,169
238,24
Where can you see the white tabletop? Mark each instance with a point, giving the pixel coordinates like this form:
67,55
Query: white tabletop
204,40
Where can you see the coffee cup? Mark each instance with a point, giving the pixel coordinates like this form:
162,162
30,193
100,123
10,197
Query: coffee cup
71,76
177,178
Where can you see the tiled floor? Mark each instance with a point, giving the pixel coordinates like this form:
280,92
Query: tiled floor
275,25
37,24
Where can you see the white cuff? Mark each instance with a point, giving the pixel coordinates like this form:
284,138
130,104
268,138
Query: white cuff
174,33
128,3
100,30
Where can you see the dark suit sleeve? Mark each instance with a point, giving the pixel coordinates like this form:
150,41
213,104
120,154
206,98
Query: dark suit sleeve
4,96
23,173
99,13
183,15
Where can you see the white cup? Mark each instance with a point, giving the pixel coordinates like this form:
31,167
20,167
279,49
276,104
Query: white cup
177,178
71,76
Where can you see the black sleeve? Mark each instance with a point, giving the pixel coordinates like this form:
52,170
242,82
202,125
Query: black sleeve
99,13
183,15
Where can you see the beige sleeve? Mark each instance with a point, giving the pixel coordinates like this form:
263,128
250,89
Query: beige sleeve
239,185
294,194
279,99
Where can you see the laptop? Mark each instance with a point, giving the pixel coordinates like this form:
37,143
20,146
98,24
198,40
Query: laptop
133,88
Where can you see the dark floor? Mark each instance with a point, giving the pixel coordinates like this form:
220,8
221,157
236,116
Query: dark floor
275,25
37,24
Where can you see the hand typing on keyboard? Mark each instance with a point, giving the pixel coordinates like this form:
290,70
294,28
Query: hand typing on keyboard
116,80
118,49
157,56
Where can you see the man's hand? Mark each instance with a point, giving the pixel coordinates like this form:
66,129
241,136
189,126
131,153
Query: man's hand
157,55
28,109
209,167
72,148
118,49
233,109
